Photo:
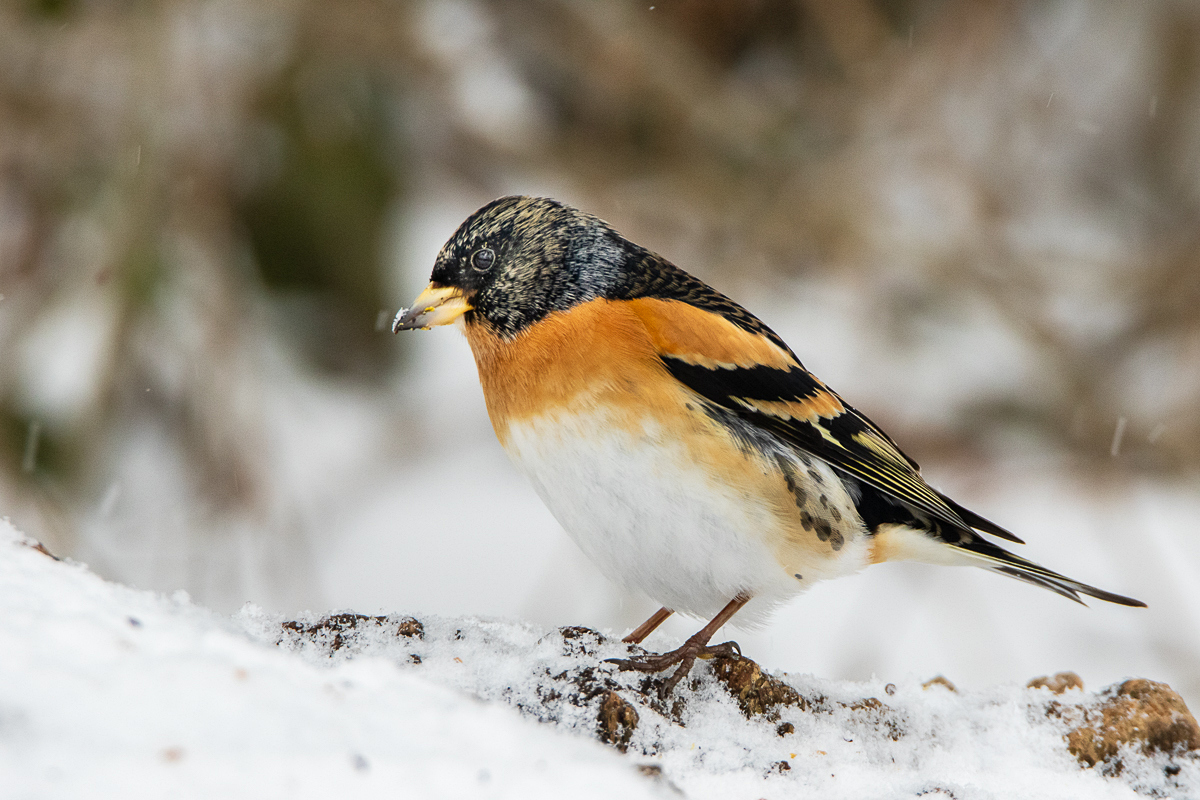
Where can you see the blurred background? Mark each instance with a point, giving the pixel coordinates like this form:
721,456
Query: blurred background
978,221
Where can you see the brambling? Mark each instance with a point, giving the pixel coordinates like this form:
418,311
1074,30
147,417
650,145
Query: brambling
676,438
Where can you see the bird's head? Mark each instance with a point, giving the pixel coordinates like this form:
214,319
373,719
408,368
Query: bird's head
514,261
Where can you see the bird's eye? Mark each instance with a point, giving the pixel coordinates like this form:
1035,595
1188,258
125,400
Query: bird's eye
482,260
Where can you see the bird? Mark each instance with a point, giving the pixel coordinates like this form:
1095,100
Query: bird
675,437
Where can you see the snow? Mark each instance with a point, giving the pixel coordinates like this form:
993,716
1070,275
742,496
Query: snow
109,691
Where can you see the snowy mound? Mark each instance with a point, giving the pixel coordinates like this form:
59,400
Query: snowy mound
108,691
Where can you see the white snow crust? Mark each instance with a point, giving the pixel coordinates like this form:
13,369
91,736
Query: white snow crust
107,691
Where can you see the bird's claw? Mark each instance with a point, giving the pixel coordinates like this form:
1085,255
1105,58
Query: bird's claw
725,649
684,656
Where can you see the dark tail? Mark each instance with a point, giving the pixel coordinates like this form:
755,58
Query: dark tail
1000,560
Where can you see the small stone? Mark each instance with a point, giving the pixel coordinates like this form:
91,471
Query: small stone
1138,712
655,773
755,691
878,715
335,631
580,632
1058,683
410,627
616,721
578,640
785,728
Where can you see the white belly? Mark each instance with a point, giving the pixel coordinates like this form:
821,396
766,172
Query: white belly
649,518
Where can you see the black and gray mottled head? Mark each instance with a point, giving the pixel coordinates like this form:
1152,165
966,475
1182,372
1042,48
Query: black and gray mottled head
519,258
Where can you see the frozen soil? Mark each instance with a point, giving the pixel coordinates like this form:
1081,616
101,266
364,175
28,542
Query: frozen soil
732,726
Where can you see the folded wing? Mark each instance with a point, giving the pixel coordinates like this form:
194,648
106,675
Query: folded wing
741,366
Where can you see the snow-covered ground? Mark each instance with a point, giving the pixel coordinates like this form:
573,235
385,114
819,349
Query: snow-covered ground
106,691
110,692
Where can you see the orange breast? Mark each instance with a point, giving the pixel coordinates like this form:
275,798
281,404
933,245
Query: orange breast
597,350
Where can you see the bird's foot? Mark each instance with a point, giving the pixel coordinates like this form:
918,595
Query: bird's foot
684,656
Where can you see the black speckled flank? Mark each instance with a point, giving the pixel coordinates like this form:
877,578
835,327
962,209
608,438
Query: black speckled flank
820,524
789,478
841,440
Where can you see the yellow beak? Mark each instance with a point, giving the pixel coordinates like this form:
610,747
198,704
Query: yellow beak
437,305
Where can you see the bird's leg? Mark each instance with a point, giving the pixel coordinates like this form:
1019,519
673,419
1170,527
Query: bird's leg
695,647
647,627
